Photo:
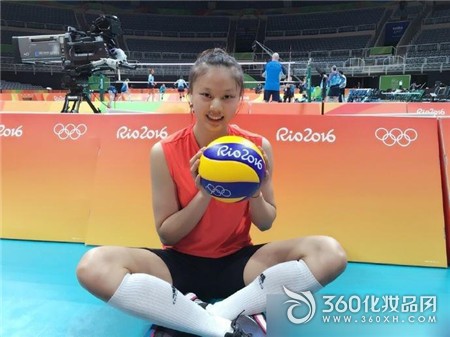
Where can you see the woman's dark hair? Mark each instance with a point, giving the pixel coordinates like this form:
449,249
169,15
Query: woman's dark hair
216,57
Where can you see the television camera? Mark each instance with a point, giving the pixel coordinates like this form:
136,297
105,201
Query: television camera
80,54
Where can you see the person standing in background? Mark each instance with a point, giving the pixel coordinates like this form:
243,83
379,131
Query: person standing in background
162,91
323,85
342,86
301,85
289,90
101,86
181,86
258,88
125,90
112,92
333,84
151,84
274,72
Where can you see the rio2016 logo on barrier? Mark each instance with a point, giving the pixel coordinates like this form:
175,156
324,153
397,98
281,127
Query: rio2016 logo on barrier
69,131
11,132
396,136
307,136
124,132
431,111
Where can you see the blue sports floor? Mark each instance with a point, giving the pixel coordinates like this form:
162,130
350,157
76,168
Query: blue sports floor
40,296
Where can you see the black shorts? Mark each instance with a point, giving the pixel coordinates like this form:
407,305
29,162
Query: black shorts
334,91
208,278
151,85
275,94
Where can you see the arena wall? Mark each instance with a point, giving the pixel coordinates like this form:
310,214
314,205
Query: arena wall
376,183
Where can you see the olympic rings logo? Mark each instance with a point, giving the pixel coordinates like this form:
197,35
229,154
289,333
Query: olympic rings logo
69,131
396,136
218,191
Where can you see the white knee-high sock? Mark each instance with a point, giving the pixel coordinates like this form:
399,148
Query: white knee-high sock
294,275
159,302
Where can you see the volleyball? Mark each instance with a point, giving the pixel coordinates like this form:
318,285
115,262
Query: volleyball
231,169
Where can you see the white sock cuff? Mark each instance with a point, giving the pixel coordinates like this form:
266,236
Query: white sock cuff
308,277
117,293
294,275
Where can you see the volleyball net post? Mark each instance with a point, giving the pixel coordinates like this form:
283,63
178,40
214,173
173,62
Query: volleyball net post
308,81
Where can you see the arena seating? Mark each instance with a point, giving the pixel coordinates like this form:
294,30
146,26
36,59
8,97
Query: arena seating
303,22
411,11
155,25
317,44
7,85
169,50
26,13
342,36
435,35
437,16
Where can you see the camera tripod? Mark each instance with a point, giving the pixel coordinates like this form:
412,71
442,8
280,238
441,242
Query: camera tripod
76,95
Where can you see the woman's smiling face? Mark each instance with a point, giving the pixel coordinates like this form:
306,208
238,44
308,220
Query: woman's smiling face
215,98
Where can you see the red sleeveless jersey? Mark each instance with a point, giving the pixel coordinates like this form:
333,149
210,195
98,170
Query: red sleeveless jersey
225,227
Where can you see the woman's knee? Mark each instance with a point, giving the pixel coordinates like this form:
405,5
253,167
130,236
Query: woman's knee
335,253
102,269
94,267
325,257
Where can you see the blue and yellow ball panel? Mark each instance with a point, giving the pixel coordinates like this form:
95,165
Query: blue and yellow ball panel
230,192
227,171
232,168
